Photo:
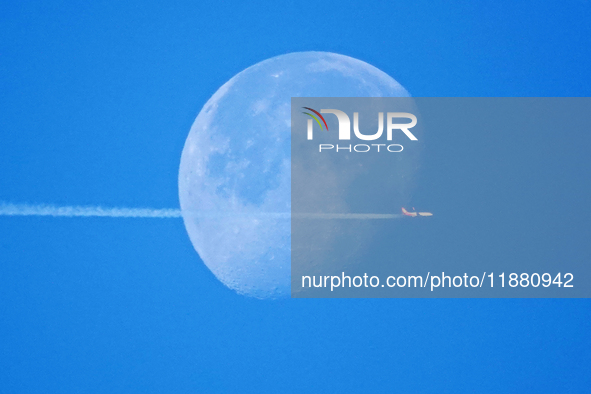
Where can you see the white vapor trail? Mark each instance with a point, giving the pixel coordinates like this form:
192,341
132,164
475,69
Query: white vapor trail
8,209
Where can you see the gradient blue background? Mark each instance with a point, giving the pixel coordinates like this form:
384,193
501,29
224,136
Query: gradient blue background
96,102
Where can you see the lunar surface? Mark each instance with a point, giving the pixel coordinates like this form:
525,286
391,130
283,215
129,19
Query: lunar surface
235,164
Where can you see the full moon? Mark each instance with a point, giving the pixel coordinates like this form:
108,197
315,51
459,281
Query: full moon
235,167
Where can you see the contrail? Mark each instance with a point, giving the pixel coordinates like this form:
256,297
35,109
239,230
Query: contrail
346,216
8,209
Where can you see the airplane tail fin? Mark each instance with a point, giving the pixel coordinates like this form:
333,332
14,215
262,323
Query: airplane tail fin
405,212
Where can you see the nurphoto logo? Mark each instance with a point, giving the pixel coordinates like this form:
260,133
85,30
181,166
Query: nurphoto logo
345,130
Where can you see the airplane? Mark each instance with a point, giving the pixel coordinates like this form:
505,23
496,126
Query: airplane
415,214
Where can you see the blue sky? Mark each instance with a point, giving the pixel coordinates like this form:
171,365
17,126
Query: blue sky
96,102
